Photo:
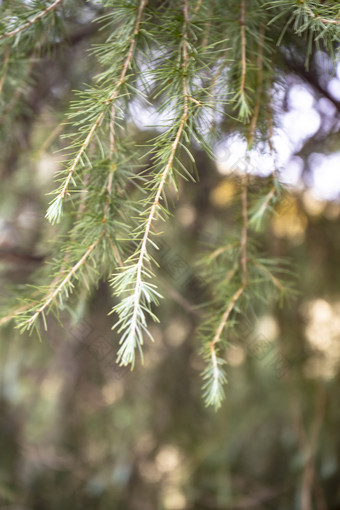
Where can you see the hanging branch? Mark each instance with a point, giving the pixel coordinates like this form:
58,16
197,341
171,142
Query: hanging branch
243,49
131,310
186,55
259,89
13,314
257,217
65,283
242,102
213,375
55,209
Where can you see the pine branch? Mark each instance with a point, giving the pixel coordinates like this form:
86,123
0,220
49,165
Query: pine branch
242,101
13,314
130,321
175,58
213,390
243,48
55,210
259,91
50,299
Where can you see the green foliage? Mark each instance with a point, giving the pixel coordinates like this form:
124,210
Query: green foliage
197,66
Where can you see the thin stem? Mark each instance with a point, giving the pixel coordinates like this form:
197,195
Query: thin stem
110,100
13,314
243,48
270,195
182,301
30,22
19,91
225,317
112,130
244,237
236,296
174,147
115,251
65,281
50,139
272,192
319,18
216,253
270,125
259,91
221,326
273,278
4,68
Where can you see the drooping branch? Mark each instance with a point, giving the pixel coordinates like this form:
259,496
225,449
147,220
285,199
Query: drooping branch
164,176
110,101
49,299
243,49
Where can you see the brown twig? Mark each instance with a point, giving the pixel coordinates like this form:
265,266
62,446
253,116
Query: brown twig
273,278
259,91
181,300
244,236
243,48
13,314
237,295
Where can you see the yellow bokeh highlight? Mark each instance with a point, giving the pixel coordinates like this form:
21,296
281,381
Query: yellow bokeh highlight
289,221
223,193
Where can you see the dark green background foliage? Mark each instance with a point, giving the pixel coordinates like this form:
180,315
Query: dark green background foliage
112,118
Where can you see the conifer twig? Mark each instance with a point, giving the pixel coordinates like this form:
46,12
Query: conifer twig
112,98
244,238
155,205
13,314
66,280
236,296
259,91
20,90
243,48
241,96
320,18
32,21
216,374
272,277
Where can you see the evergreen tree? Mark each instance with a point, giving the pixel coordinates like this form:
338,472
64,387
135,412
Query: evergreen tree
207,69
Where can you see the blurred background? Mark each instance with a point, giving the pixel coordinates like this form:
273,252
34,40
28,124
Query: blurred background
78,432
